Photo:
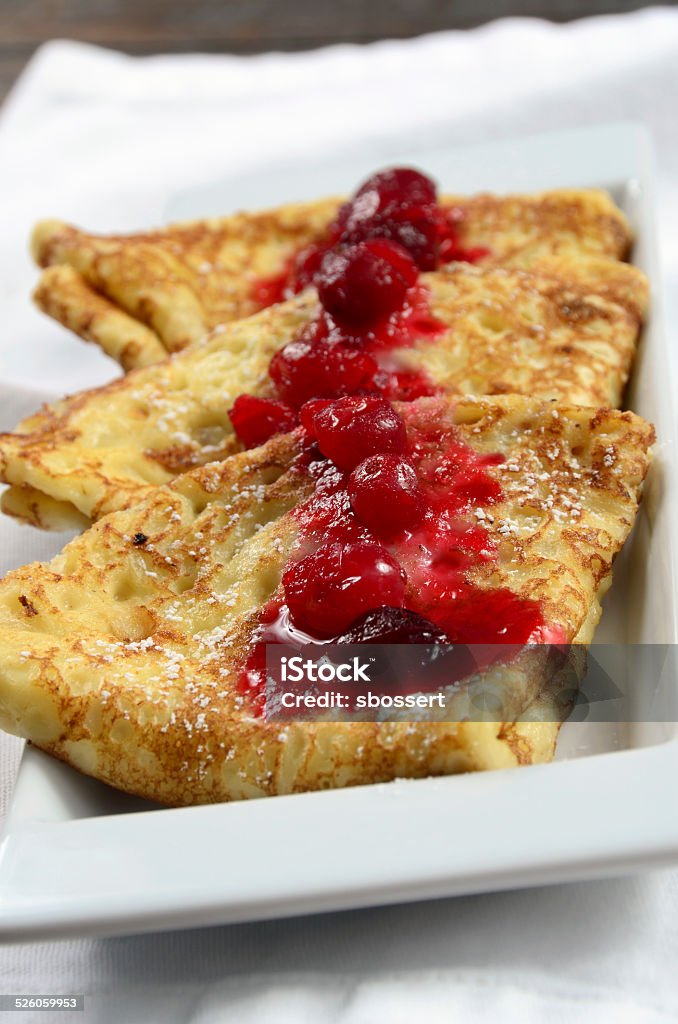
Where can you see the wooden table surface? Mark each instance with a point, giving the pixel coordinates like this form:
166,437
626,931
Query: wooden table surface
253,26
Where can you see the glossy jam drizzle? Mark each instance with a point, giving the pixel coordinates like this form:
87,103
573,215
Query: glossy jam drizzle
366,273
400,205
388,540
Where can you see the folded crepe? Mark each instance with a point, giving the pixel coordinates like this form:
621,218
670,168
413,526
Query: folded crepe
567,332
140,296
124,656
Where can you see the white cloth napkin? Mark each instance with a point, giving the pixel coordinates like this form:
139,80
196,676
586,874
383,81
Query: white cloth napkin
105,140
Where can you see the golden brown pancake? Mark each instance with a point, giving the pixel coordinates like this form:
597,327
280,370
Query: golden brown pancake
567,332
122,655
142,295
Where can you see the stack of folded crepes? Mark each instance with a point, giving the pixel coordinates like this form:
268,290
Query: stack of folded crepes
491,400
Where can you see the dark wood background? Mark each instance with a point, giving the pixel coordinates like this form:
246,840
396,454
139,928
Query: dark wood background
251,26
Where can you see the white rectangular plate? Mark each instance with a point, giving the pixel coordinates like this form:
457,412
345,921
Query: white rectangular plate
79,858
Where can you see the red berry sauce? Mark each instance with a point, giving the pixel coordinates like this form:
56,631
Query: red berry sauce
398,205
366,274
329,589
386,494
394,527
298,273
388,540
373,305
319,365
351,429
359,285
256,419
